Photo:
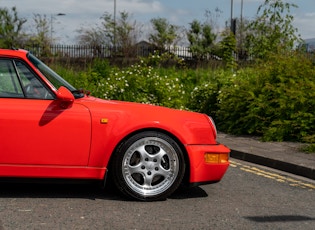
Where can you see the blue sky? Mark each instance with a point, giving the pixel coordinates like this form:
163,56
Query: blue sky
179,12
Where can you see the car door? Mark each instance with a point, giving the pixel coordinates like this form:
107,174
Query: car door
34,129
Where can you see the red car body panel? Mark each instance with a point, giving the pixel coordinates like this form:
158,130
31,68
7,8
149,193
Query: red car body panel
40,139
36,133
202,172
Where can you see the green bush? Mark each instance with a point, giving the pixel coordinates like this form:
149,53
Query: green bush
204,96
274,99
138,83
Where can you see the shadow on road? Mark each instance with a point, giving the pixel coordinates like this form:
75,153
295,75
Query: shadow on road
82,191
279,218
187,193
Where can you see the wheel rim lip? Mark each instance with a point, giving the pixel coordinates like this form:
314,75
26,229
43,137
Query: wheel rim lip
162,186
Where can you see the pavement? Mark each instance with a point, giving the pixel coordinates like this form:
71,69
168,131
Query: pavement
284,156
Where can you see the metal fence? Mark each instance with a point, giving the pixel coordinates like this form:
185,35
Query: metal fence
79,51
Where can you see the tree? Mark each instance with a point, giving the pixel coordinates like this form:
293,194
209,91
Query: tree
201,39
212,18
122,34
242,31
41,36
92,36
272,30
10,28
164,34
227,47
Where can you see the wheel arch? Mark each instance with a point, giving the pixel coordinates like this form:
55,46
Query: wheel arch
176,139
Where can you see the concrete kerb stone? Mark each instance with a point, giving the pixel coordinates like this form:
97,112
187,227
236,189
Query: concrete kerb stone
276,164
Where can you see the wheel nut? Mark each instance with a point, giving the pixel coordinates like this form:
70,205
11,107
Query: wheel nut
149,173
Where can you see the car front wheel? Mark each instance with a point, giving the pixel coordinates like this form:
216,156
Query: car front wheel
148,166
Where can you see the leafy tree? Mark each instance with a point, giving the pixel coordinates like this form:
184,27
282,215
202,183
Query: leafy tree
164,35
201,39
41,36
272,31
242,31
227,48
212,18
92,36
121,33
10,28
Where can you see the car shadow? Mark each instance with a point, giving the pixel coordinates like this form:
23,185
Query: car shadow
279,218
51,112
90,191
188,193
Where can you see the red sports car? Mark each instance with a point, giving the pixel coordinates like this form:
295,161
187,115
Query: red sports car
49,129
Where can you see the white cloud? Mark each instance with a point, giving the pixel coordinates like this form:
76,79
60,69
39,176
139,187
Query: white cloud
304,23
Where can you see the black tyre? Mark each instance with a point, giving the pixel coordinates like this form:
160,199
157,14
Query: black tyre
148,166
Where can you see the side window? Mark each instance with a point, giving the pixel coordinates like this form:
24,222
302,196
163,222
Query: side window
33,88
9,82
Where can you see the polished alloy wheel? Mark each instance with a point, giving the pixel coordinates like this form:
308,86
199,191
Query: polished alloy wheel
151,166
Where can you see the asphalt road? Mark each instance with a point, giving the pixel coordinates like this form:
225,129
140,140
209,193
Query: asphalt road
248,197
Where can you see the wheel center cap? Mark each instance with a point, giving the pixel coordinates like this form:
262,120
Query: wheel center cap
150,166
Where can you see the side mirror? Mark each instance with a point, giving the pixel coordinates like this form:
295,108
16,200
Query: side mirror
65,97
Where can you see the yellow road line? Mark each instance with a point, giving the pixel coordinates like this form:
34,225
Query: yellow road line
274,176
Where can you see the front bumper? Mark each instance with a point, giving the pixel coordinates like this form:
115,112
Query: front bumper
208,163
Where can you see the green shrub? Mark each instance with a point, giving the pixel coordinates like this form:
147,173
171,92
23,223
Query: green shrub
237,113
138,83
204,96
274,99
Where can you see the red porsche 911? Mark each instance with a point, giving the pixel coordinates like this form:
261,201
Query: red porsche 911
50,130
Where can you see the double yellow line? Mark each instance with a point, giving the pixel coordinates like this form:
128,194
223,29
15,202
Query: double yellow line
273,176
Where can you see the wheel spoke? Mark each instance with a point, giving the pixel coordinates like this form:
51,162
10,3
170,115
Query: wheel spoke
134,169
159,156
143,153
148,181
164,172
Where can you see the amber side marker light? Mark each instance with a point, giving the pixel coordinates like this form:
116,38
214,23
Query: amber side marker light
216,158
104,120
